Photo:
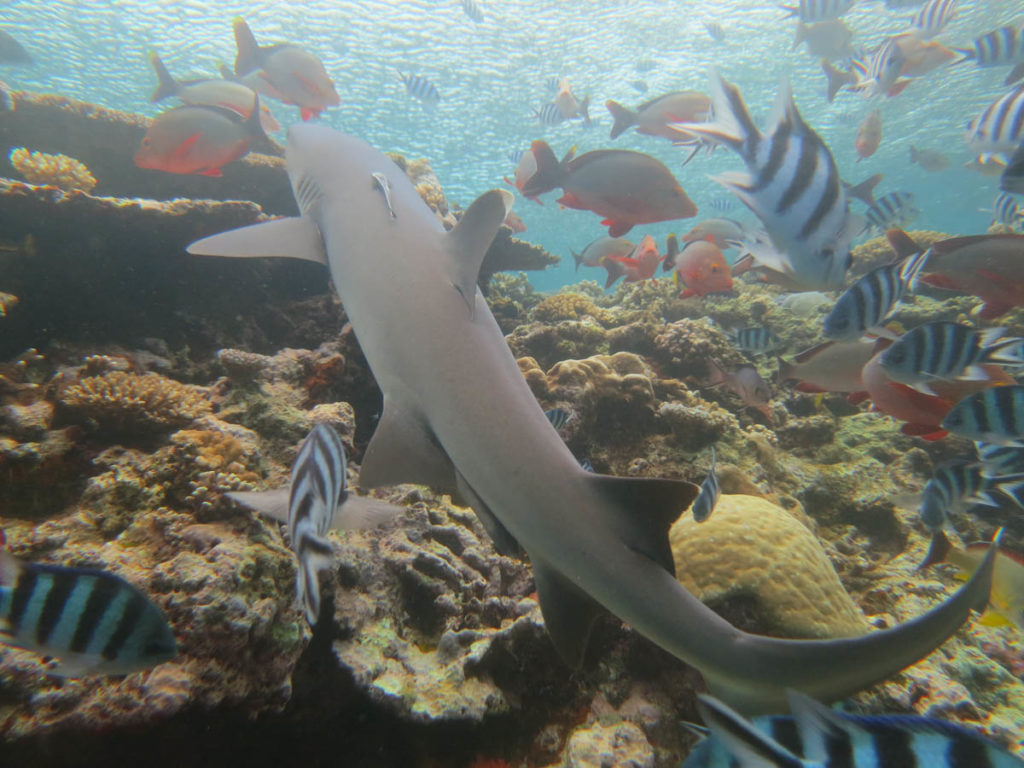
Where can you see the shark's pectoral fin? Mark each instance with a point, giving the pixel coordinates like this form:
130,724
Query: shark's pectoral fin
504,541
648,507
297,238
472,236
569,613
404,450
272,504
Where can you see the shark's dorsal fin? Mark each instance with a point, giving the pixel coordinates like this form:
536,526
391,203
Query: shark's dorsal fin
403,450
296,238
649,506
504,541
569,613
472,236
272,504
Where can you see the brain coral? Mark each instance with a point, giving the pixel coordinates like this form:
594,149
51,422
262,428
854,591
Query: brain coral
138,403
55,170
750,548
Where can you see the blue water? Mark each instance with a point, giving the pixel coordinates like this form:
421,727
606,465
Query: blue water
492,75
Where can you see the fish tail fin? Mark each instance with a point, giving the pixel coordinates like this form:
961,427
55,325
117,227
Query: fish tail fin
801,34
740,738
576,257
549,173
966,54
911,269
1004,351
10,568
732,124
1012,486
837,79
584,110
1015,74
671,252
314,554
248,57
225,71
902,243
615,270
166,84
254,126
786,370
624,118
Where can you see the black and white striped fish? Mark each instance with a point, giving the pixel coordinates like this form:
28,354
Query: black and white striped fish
515,156
757,339
934,17
941,350
721,204
866,304
473,10
1000,126
877,74
953,487
1005,211
792,185
710,489
998,48
816,736
1001,459
994,415
895,209
420,88
316,501
715,31
810,11
549,114
94,622
1012,179
558,417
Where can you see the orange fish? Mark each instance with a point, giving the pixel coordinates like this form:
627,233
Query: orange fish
702,269
569,106
640,264
869,135
293,72
199,139
625,188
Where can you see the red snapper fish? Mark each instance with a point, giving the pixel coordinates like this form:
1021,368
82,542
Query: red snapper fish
990,267
702,269
293,72
640,264
625,188
200,139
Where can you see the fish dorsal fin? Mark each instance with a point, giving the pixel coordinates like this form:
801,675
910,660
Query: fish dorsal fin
569,613
902,243
649,506
404,450
504,542
296,238
784,109
743,741
272,504
818,725
472,236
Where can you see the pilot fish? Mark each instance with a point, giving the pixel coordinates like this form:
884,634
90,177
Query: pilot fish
654,117
792,185
626,188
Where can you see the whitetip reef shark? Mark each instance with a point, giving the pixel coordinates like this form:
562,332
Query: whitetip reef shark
458,414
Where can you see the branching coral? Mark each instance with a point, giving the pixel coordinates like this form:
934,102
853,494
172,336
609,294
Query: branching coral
54,170
128,401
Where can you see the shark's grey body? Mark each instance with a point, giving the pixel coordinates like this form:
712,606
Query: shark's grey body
458,413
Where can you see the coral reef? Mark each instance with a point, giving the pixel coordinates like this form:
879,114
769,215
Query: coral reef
59,171
736,555
129,402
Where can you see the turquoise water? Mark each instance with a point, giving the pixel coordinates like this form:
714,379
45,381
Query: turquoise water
492,75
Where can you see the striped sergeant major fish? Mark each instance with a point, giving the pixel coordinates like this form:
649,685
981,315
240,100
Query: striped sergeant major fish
934,17
895,209
999,48
558,417
94,622
878,74
473,10
1005,211
953,487
1012,178
757,339
866,304
792,185
420,88
810,11
815,736
999,129
942,350
315,501
549,114
710,489
1001,459
994,415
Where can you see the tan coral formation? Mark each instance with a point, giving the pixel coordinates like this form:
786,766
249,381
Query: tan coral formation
137,402
750,547
59,171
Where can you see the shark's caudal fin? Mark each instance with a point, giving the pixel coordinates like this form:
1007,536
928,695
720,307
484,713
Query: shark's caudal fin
296,238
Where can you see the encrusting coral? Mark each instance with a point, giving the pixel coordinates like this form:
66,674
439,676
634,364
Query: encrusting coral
133,402
750,548
59,171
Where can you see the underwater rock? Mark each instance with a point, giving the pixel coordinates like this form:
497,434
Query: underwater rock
129,403
807,433
684,348
696,423
567,306
59,171
568,339
622,745
758,554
